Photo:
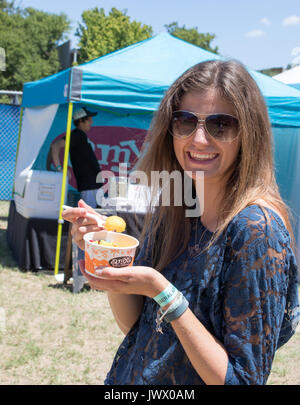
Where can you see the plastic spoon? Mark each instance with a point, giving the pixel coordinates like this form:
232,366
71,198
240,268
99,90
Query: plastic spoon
99,221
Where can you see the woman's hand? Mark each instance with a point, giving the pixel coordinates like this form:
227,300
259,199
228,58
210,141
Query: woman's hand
80,223
139,280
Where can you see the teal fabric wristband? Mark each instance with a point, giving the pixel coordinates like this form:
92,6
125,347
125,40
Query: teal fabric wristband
161,314
166,296
177,312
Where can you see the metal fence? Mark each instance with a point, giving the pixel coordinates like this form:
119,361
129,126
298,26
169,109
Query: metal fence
9,128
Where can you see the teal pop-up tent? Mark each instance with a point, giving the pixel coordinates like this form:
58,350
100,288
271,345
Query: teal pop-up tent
126,87
135,78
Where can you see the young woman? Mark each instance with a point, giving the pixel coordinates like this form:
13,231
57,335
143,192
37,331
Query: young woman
210,298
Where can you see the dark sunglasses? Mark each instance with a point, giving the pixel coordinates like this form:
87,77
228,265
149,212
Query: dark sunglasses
222,127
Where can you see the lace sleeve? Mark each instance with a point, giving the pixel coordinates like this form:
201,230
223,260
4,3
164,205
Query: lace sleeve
257,280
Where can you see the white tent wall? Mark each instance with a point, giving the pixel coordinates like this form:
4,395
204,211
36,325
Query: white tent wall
58,127
35,127
36,193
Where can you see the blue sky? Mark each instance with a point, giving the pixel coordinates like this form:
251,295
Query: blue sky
259,33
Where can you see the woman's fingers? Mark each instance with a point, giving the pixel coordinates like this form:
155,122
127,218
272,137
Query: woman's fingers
81,223
82,204
72,214
107,273
78,234
80,227
112,273
102,284
79,231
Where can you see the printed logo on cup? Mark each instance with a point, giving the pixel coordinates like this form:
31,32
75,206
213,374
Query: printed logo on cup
120,261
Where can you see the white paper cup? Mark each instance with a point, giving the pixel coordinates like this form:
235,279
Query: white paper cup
98,257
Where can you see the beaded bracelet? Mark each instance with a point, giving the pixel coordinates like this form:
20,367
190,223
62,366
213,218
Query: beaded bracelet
166,296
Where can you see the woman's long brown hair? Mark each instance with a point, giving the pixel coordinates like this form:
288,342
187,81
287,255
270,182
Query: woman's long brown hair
251,179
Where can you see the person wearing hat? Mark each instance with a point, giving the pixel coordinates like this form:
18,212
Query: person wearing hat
84,161
85,167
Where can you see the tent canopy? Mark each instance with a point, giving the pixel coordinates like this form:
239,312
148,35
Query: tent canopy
290,77
136,77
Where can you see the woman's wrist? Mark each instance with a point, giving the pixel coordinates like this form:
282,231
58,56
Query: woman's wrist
166,296
158,284
172,305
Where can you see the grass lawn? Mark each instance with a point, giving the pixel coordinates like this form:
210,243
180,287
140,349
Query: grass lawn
48,335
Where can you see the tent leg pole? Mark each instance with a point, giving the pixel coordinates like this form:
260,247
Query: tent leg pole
63,187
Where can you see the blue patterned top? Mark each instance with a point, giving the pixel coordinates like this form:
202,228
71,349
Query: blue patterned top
244,290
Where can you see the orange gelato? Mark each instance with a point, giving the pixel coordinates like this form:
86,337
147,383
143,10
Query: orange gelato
115,223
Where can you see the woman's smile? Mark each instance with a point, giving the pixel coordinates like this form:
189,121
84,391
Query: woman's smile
205,158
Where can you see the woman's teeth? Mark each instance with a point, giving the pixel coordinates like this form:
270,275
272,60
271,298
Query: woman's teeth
203,156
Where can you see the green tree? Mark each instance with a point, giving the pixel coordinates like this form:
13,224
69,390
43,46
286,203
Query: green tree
193,36
101,34
29,38
9,6
271,71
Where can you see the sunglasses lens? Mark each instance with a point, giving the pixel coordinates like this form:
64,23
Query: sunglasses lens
183,123
222,127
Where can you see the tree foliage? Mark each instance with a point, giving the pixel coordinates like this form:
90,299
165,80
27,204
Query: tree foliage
29,38
192,35
101,34
271,71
